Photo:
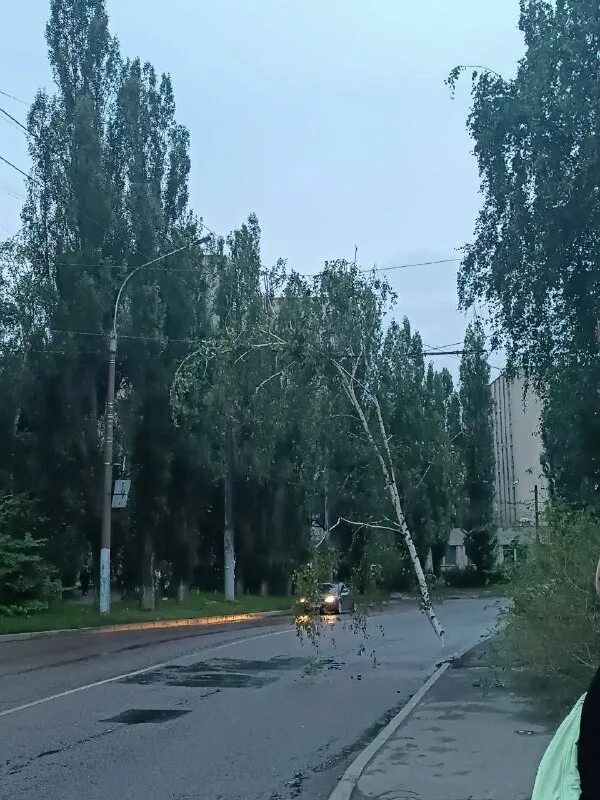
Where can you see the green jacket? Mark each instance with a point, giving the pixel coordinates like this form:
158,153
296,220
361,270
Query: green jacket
558,776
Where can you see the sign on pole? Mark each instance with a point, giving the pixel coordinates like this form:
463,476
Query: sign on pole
121,491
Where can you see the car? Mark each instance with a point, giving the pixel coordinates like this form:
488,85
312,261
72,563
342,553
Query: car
330,598
335,598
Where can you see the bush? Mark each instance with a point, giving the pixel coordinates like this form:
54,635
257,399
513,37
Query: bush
500,576
24,610
553,626
467,578
26,578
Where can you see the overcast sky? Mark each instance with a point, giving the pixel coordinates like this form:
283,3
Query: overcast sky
330,120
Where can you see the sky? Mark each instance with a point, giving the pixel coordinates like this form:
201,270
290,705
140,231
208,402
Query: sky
330,120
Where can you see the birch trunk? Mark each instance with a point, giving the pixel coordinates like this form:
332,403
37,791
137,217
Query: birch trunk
385,460
181,591
228,532
148,593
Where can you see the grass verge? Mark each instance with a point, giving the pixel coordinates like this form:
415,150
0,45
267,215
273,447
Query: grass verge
76,615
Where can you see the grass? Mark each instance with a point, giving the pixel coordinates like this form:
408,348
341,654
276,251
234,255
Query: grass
75,615
444,592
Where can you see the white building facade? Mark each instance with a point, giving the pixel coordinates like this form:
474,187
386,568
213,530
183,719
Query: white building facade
520,484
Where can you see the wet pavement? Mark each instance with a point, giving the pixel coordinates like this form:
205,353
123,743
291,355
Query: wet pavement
471,737
250,713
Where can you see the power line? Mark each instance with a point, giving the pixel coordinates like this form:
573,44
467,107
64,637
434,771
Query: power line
14,119
443,346
455,354
415,264
102,227
123,336
11,192
123,266
4,228
24,174
12,97
389,269
444,353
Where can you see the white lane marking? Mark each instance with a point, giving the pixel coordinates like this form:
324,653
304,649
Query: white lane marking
134,673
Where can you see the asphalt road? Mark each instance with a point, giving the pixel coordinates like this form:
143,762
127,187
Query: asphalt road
248,713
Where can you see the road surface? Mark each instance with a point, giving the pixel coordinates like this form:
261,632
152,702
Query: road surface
245,713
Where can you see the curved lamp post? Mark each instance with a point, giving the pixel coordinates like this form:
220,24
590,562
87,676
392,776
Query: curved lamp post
109,435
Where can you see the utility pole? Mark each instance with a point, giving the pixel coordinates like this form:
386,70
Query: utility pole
108,477
109,425
537,512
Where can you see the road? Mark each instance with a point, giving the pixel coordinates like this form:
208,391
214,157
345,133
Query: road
245,713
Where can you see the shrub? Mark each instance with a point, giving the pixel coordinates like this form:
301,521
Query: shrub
26,578
553,626
23,610
468,578
500,575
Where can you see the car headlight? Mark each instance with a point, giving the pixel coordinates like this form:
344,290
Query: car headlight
330,598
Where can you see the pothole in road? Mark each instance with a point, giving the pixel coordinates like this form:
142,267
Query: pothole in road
224,673
141,716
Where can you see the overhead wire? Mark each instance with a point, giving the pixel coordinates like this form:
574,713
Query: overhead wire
204,226
122,336
211,231
12,97
13,119
414,264
11,192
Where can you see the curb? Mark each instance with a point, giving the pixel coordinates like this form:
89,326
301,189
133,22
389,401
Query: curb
227,619
346,786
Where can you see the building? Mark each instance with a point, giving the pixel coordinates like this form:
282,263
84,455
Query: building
520,483
456,557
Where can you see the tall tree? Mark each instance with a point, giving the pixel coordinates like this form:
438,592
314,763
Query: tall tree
478,450
535,254
108,192
221,383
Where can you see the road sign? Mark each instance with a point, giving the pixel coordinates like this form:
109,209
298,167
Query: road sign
121,491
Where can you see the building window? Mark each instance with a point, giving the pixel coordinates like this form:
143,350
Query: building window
450,557
509,552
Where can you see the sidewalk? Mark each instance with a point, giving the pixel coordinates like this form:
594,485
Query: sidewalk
470,738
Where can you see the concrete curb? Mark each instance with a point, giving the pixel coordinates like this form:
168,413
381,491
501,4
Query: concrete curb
346,786
226,619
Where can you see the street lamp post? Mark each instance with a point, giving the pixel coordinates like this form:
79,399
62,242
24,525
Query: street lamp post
107,479
109,436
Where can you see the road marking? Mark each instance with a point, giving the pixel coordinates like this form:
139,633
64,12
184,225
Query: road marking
134,673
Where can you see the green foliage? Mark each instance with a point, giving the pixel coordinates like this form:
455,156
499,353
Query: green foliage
26,578
534,258
230,414
554,621
468,578
109,192
478,451
383,565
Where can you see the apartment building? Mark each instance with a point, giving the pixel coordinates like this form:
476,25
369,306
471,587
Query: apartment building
518,450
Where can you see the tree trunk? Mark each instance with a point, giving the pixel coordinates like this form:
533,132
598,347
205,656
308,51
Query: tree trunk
228,533
181,591
326,514
148,595
438,550
264,588
382,451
